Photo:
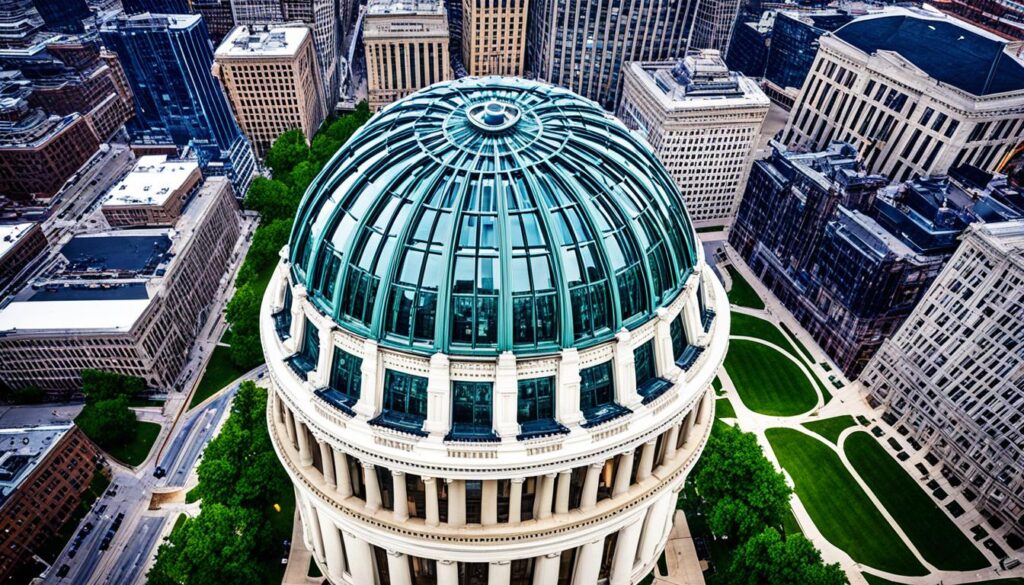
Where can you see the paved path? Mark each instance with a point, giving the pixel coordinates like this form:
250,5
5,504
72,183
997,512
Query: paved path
846,401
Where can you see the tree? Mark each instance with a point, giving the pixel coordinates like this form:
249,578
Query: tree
287,151
246,351
222,545
100,385
107,422
267,242
743,490
323,148
272,199
302,175
243,310
767,558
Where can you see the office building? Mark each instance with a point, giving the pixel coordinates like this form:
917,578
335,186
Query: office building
219,17
153,194
794,44
406,48
127,301
168,59
19,21
703,122
20,243
524,408
271,78
64,16
751,41
583,44
713,22
494,36
952,374
132,7
43,472
38,152
257,11
848,255
1003,17
916,91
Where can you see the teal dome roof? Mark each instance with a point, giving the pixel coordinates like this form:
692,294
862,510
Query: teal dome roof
492,214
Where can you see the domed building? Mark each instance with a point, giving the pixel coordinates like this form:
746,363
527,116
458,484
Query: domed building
491,342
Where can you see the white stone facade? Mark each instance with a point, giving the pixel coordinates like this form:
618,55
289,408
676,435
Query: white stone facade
588,506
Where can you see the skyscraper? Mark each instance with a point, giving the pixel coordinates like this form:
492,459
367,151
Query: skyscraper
18,20
916,91
953,374
168,59
516,379
713,23
494,36
155,6
64,16
703,122
583,44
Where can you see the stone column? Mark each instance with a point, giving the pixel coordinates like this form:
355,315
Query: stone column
691,311
515,501
398,568
664,355
562,492
313,524
625,374
370,392
499,573
447,573
506,397
323,363
670,444
328,462
332,547
588,563
275,405
687,427
438,396
646,460
456,502
282,287
590,485
547,489
298,326
360,557
433,513
341,473
305,455
698,414
400,495
545,569
372,487
622,474
489,502
289,425
625,552
568,395
651,532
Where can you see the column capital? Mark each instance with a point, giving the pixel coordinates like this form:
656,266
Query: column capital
518,479
551,475
652,442
598,465
426,479
367,465
500,562
394,553
397,473
552,555
446,562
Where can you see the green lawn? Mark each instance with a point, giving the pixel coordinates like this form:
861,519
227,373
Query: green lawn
134,451
220,371
768,382
717,385
831,428
936,537
744,325
741,293
838,506
790,525
724,409
803,350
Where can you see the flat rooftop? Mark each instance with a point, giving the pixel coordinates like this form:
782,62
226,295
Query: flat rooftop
698,82
377,7
153,180
262,41
947,49
11,233
103,281
22,450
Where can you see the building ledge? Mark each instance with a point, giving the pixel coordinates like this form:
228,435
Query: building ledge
602,414
403,423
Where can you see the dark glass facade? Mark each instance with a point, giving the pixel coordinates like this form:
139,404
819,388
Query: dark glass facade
154,6
794,43
64,16
405,402
748,51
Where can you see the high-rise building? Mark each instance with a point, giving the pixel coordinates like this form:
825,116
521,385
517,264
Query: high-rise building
952,375
153,193
44,470
133,7
847,255
583,44
19,20
219,17
406,48
1003,17
748,49
491,345
64,16
168,59
322,16
712,26
19,244
494,36
916,91
703,122
129,301
271,78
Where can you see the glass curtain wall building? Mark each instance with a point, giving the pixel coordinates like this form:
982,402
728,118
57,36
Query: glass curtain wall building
167,59
490,344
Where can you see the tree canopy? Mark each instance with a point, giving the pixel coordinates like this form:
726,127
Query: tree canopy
101,385
768,558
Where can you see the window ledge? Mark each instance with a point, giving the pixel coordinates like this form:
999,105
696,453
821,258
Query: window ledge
342,402
603,414
403,423
653,388
471,434
689,357
536,429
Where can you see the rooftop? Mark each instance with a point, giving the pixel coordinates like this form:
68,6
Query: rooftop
948,50
103,281
22,450
11,233
378,7
701,80
152,181
262,41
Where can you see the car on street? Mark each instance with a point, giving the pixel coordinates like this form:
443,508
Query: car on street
63,571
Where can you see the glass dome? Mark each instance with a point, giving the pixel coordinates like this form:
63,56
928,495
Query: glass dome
492,214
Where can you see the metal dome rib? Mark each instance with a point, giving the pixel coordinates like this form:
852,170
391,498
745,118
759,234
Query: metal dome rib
443,225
